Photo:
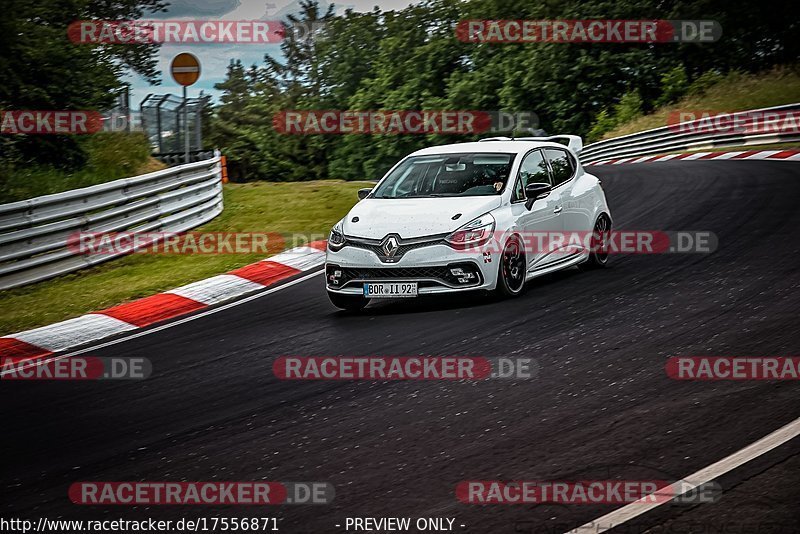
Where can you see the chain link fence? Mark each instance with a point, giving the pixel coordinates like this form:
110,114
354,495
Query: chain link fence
163,120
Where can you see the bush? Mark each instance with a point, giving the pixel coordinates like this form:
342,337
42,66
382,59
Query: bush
674,85
604,122
628,108
106,156
118,154
704,82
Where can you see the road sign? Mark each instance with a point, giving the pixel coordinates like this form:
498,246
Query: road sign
185,69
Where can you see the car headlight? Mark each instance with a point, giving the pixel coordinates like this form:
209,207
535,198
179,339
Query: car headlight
474,233
336,237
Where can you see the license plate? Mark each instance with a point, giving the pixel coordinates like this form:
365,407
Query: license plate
390,289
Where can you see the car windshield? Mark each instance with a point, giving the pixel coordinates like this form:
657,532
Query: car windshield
447,175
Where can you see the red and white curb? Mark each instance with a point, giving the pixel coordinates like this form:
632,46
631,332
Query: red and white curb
42,342
786,155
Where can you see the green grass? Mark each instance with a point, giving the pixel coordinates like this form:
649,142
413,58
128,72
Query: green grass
735,92
109,156
299,207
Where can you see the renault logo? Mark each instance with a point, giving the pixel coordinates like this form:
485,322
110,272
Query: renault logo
390,246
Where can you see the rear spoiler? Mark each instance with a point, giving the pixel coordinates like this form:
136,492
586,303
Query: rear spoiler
574,142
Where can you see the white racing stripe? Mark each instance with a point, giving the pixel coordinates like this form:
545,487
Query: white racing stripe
301,258
728,155
217,289
667,157
705,475
697,155
74,332
763,154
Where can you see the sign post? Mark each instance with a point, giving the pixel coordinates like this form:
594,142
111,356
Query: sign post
185,70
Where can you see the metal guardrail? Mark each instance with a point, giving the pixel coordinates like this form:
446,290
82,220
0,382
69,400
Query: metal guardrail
666,139
176,158
35,234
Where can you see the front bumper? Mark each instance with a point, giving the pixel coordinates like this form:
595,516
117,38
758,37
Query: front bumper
437,268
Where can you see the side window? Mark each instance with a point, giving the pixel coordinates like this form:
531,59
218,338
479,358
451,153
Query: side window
532,170
519,191
562,164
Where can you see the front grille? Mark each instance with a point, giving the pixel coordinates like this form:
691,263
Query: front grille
402,249
375,245
403,272
435,275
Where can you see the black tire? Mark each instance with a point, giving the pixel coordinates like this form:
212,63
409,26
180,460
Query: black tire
598,256
513,269
351,303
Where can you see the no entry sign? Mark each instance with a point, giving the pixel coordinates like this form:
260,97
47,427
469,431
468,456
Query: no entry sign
185,69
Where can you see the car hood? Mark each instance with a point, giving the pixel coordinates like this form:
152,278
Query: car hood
414,217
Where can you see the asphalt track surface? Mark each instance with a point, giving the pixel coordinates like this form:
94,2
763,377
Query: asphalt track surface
602,406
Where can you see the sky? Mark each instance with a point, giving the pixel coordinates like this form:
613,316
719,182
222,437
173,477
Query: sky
214,58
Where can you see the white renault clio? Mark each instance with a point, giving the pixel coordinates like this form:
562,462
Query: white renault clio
460,217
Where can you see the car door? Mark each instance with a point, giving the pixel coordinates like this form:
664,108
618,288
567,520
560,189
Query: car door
563,170
576,212
544,217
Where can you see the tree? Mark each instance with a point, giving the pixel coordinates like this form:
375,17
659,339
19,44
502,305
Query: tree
41,69
410,59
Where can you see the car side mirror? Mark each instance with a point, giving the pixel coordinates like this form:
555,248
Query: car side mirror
363,193
535,191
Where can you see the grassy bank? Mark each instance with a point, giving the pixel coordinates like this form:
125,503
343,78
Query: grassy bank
733,92
305,207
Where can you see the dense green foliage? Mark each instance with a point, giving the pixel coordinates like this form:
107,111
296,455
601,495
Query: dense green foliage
41,69
411,59
394,60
